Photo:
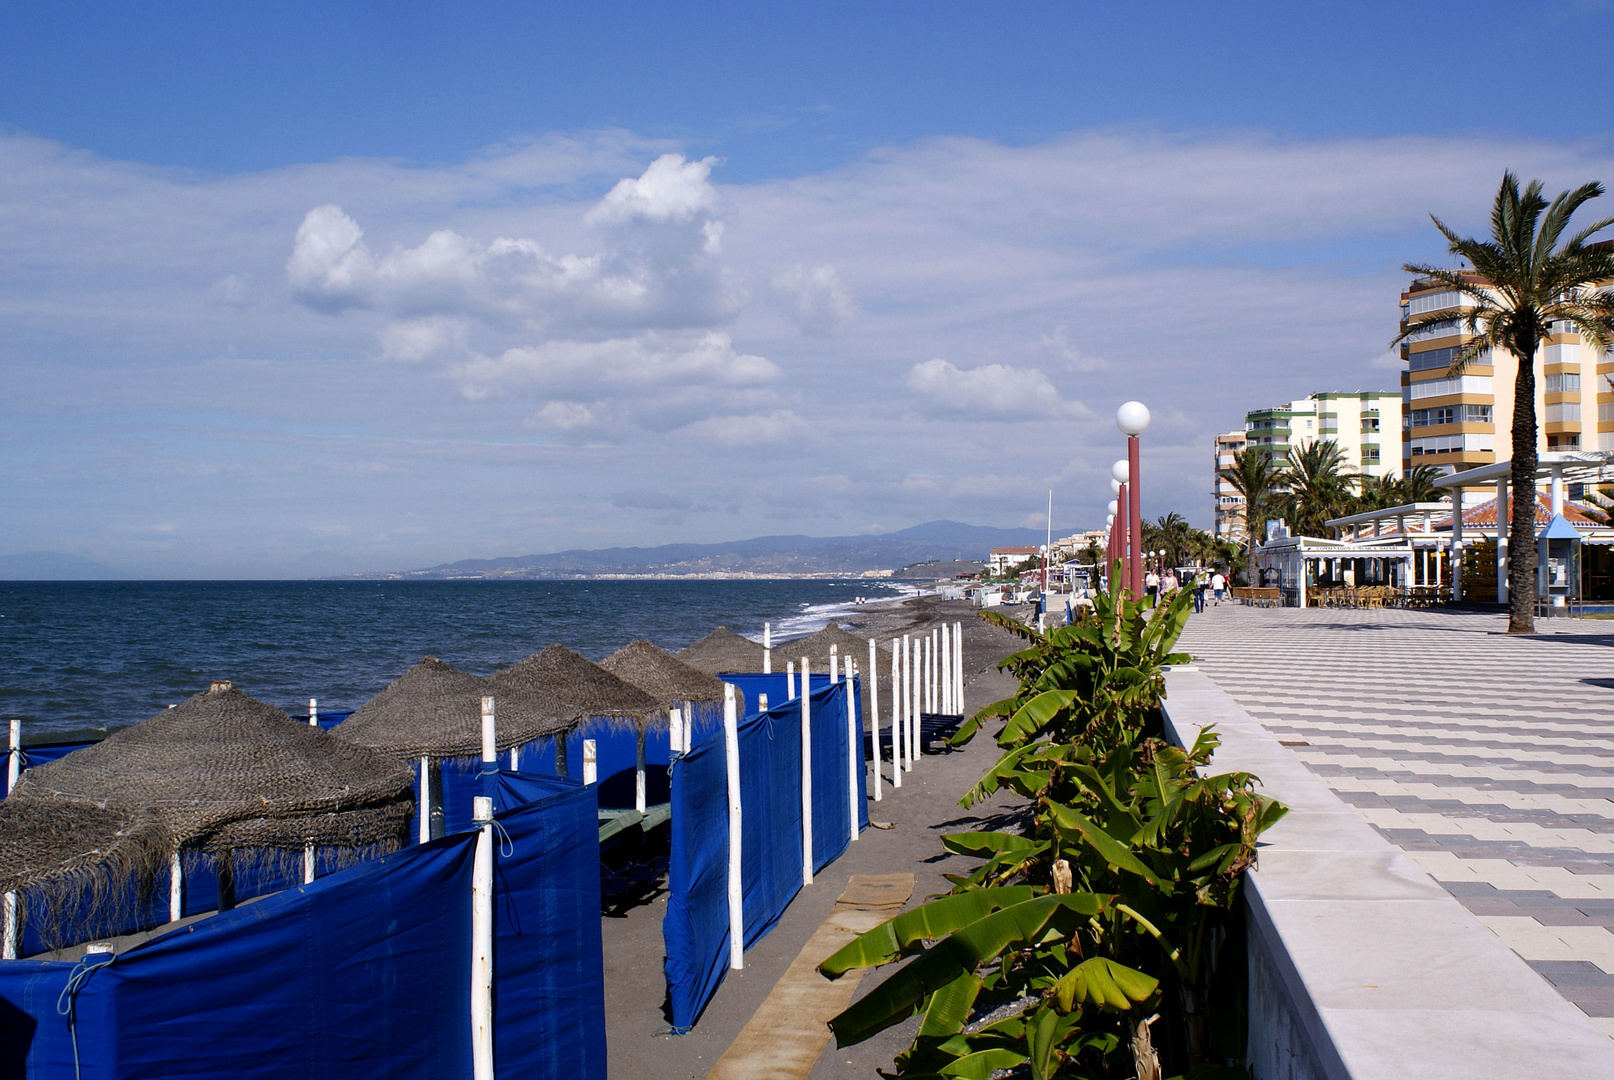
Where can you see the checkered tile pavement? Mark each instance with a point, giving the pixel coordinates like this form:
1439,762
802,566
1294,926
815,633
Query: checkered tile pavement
1489,760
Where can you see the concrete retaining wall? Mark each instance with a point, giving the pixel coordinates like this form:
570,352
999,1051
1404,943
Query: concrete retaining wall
1361,965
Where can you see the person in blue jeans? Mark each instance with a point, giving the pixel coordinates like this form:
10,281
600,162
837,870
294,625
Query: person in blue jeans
1199,586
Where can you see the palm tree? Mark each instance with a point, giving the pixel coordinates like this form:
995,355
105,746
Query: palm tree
1321,486
1419,484
1379,493
1254,476
1522,282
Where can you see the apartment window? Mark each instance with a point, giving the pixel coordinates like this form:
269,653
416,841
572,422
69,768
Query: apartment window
1569,440
1461,384
1370,423
1564,412
1445,328
1450,444
1441,358
1448,414
1605,413
1565,383
1424,303
1370,453
1561,354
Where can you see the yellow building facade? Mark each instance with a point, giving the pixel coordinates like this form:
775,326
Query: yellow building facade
1458,422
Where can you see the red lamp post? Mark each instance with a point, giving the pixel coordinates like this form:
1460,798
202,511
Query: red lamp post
1133,419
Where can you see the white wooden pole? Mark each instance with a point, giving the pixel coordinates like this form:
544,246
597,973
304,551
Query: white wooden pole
958,662
689,726
482,942
14,754
425,799
933,672
767,648
834,666
874,713
731,753
515,759
790,679
313,712
176,888
907,703
944,670
9,933
916,718
490,737
896,714
638,771
853,737
309,852
675,730
762,703
591,763
806,778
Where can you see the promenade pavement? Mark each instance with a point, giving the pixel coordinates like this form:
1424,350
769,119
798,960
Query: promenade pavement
1488,759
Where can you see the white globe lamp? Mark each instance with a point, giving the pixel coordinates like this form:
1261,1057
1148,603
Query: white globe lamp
1120,471
1132,418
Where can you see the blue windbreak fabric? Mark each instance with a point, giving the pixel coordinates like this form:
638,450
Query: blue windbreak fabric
327,720
695,929
40,754
549,965
358,974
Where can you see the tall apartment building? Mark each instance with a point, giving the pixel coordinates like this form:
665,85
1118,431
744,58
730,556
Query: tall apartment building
1229,503
1362,423
1460,421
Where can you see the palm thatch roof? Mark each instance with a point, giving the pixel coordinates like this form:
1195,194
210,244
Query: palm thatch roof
224,770
816,647
577,682
77,863
662,675
723,652
434,710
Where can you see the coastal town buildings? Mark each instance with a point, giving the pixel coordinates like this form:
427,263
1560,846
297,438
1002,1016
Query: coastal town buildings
1460,422
1363,423
1006,558
1229,503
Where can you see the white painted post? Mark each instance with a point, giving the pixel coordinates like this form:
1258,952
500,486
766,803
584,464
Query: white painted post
689,726
957,661
945,671
1502,540
874,713
853,737
591,763
731,752
309,852
490,737
790,680
907,703
482,942
675,730
638,770
806,779
896,714
176,888
916,721
930,673
14,755
762,703
313,712
515,759
10,932
425,799
767,648
933,660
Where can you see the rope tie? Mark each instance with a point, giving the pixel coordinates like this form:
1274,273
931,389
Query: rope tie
507,846
67,1003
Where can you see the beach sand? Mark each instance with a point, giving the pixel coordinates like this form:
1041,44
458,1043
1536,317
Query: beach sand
923,810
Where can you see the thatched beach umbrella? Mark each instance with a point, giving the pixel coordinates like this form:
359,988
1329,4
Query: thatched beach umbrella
435,711
816,647
225,773
662,675
723,652
76,864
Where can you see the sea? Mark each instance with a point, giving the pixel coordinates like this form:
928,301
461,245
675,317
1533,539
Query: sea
85,658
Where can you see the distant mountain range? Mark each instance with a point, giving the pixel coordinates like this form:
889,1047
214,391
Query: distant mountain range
934,541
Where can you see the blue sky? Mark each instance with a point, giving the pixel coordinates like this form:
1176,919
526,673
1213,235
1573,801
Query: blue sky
305,289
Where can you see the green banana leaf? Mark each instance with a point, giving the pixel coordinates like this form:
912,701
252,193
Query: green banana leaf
1102,982
928,922
983,1063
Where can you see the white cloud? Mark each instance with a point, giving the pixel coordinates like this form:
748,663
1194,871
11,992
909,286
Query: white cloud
815,298
671,189
1059,345
779,426
565,415
992,390
642,365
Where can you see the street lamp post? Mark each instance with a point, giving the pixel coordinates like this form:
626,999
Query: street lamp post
1133,419
1126,538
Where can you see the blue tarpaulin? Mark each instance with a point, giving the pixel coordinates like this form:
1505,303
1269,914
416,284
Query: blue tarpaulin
695,929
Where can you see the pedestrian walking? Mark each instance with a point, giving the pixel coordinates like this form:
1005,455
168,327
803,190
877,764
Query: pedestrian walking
1218,585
